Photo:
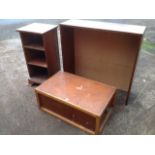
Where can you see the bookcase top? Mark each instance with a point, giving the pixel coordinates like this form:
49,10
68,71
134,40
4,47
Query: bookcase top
125,28
38,28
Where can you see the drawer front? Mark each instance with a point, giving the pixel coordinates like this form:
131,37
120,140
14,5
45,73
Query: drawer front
68,112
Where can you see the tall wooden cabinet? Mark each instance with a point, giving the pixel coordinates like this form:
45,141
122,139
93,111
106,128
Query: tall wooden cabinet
40,45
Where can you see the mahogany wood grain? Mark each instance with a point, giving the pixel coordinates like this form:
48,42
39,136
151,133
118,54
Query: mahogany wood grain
50,42
37,28
101,51
76,100
40,47
106,26
67,42
91,96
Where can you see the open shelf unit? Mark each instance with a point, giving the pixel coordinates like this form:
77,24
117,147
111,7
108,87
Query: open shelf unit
40,47
101,51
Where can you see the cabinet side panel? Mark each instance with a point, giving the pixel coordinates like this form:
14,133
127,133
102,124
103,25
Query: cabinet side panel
139,43
67,43
51,50
68,112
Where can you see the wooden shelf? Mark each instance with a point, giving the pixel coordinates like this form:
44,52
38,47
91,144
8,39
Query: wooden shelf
35,47
38,79
87,46
40,45
38,62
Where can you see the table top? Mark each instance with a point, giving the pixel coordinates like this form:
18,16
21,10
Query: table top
78,92
38,28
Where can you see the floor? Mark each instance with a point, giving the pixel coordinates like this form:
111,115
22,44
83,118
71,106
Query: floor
19,113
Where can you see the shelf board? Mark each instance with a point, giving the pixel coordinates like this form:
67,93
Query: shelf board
40,62
38,79
35,47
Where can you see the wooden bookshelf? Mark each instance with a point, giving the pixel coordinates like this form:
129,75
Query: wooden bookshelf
40,47
105,52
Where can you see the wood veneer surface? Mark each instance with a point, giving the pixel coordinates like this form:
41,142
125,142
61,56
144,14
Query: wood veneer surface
38,28
107,26
88,95
105,57
105,52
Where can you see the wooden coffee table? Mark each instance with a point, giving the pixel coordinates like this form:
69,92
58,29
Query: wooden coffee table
82,102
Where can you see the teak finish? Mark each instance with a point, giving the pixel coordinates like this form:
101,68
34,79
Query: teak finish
101,51
84,103
40,45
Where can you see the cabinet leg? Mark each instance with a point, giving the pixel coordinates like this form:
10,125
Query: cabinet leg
97,129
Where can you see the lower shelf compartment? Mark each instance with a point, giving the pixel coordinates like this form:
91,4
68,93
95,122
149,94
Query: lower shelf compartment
38,79
38,62
37,74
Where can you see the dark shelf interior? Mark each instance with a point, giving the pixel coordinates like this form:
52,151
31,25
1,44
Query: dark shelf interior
35,58
37,74
41,54
32,41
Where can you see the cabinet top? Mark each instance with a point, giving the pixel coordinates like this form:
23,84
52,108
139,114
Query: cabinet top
38,28
125,28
